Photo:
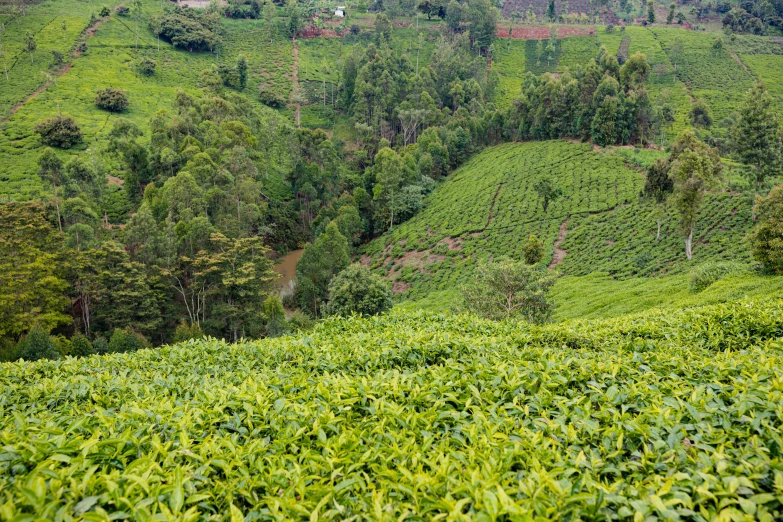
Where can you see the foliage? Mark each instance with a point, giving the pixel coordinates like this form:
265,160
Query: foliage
186,331
147,66
356,290
758,136
767,236
112,100
708,273
187,29
81,346
676,365
126,340
319,263
505,289
38,344
60,131
533,250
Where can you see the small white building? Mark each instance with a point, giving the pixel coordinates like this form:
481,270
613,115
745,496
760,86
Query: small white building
340,11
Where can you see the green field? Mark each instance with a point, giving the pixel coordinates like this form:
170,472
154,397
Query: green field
664,415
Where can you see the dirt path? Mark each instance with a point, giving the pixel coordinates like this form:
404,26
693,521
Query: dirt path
75,52
559,252
492,207
297,94
739,61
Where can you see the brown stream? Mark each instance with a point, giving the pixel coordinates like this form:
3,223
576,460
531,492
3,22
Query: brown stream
286,267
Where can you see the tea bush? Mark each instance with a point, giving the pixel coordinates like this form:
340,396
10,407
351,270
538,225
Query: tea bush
704,275
668,415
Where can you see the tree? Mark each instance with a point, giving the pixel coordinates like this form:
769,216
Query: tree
533,250
506,289
37,345
551,13
767,237
30,45
635,71
32,290
547,191
650,11
694,169
383,28
294,17
240,278
274,315
320,262
146,66
658,186
453,15
269,14
242,71
112,100
758,138
670,16
700,115
61,132
50,168
357,290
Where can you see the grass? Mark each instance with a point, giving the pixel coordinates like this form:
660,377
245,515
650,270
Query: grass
411,415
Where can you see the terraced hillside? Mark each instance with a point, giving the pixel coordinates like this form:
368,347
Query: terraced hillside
670,415
489,207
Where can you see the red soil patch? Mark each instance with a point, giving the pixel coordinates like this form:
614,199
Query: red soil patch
541,32
400,287
314,32
559,252
114,180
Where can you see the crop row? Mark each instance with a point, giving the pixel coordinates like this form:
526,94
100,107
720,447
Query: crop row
669,415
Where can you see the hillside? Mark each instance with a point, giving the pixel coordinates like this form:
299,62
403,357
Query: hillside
489,208
668,414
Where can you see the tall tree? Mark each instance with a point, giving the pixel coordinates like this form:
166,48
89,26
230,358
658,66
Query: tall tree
758,138
50,168
319,263
694,169
30,45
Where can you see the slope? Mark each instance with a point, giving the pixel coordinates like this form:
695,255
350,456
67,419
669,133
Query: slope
489,207
667,415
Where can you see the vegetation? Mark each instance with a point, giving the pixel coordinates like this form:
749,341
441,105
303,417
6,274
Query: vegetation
62,132
112,100
385,369
356,290
767,236
505,289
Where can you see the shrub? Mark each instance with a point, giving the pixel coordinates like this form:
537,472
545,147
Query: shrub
508,289
533,250
100,345
186,331
122,11
58,57
274,316
146,66
705,274
81,346
105,11
186,29
9,350
110,99
38,344
271,98
356,290
61,131
355,29
300,322
767,237
126,340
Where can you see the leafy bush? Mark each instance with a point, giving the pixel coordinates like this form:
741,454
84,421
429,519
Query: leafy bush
271,98
707,273
356,290
186,29
105,11
126,340
504,289
38,344
61,131
767,238
122,11
113,100
146,66
533,250
81,346
186,331
100,345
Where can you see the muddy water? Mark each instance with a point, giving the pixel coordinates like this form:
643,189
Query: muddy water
286,267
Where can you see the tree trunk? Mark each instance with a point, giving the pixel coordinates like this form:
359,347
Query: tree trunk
689,244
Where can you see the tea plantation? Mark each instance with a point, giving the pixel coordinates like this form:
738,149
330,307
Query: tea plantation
668,415
489,208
